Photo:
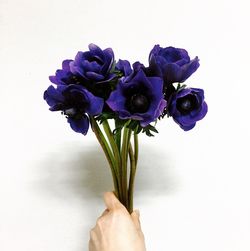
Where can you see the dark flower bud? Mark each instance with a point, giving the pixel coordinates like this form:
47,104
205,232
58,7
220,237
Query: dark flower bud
187,104
138,103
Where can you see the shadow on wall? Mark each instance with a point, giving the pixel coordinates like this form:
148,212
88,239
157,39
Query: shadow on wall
74,173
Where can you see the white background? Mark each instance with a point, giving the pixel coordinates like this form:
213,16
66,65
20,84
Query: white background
192,188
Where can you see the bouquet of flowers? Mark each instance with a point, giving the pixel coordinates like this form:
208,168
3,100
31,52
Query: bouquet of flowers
119,101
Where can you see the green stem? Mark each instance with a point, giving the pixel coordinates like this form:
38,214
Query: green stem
124,155
116,153
106,149
136,147
131,178
118,136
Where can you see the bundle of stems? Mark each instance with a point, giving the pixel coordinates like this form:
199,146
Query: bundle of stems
122,156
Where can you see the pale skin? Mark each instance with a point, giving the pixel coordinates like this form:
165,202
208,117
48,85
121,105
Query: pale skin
116,229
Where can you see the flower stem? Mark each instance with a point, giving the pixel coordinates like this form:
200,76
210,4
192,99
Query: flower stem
117,149
118,136
100,137
131,179
136,147
117,156
124,155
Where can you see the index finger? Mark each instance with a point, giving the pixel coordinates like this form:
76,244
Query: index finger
112,201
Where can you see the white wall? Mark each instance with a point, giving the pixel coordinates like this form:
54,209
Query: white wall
192,188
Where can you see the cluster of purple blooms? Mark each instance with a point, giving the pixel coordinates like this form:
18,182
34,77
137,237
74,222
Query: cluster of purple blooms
94,84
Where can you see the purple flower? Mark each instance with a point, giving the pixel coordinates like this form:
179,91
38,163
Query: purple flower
172,64
64,76
75,102
93,65
187,106
130,72
124,67
140,98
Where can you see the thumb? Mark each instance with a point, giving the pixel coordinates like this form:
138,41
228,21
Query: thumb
136,219
111,201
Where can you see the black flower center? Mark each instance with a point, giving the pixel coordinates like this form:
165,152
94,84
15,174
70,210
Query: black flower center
138,103
187,104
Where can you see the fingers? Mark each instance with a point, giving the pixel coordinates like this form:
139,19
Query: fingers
112,202
136,219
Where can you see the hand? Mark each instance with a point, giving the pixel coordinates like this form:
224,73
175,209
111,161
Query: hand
116,229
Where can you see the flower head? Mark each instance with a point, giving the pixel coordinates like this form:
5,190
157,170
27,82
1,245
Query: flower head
94,65
139,98
124,67
172,64
187,106
76,103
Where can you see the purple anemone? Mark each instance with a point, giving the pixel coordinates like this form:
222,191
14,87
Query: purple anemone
172,64
187,106
76,103
94,65
139,98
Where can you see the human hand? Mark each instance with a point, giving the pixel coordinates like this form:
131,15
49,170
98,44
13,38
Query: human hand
116,229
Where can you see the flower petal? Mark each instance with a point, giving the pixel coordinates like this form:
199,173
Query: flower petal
65,64
80,126
91,66
53,96
96,50
172,74
189,69
94,76
95,104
